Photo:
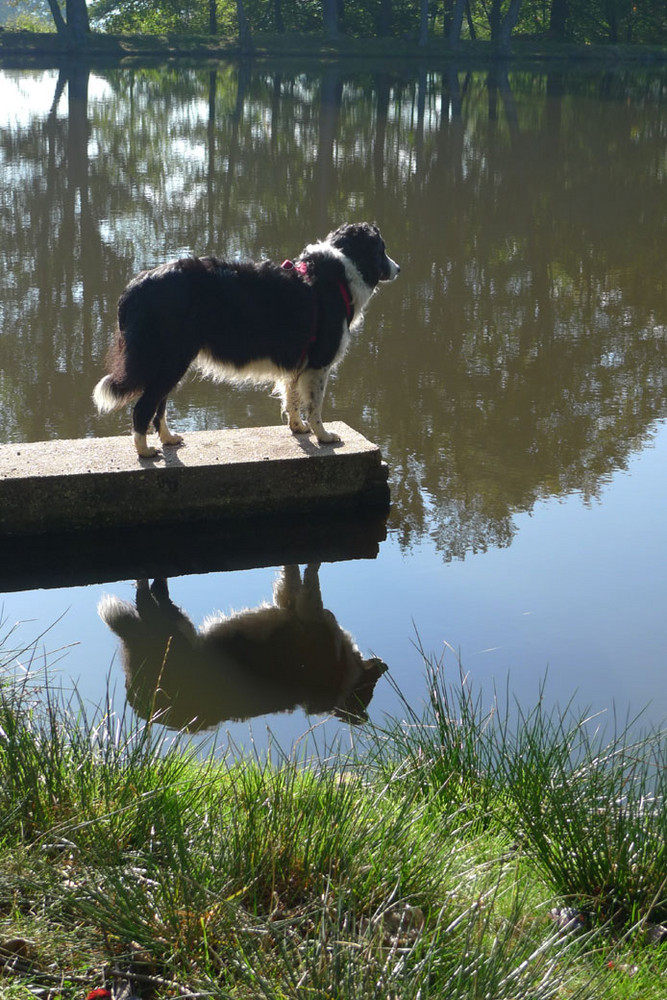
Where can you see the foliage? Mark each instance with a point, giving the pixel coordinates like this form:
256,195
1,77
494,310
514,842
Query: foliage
612,21
580,21
27,15
381,872
151,16
617,21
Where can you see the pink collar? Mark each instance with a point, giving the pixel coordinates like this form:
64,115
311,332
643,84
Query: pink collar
302,267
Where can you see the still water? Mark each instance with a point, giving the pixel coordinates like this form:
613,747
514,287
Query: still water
514,376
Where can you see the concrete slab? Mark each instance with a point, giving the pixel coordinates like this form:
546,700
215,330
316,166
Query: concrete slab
99,483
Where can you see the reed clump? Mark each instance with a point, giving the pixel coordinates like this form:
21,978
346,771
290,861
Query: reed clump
458,852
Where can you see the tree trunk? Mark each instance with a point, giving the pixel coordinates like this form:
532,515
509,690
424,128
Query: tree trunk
212,17
495,16
558,19
457,22
331,99
278,16
508,25
330,15
76,13
423,22
245,37
59,20
612,20
471,23
384,19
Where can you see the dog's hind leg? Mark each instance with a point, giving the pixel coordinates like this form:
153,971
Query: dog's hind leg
312,385
291,408
145,410
161,426
287,586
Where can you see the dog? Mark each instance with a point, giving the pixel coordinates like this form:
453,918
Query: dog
287,324
253,662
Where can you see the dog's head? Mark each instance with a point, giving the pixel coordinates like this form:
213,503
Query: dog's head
362,244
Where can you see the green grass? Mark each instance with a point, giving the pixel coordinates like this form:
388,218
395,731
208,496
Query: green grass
424,865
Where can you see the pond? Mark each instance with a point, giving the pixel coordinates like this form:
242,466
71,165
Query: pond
514,375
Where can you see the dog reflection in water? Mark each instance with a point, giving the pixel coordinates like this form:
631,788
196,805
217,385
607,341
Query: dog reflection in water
254,662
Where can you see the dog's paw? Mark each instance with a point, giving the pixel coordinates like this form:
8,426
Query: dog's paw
172,439
144,450
328,437
299,427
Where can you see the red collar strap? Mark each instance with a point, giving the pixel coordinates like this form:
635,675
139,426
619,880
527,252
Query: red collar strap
302,267
345,295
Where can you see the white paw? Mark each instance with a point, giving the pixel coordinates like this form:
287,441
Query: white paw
328,437
172,439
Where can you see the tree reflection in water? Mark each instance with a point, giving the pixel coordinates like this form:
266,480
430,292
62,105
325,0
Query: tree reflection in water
523,356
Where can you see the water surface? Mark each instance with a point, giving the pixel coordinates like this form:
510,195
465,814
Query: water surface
514,375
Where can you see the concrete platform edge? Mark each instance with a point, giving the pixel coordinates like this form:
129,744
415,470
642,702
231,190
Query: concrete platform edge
96,483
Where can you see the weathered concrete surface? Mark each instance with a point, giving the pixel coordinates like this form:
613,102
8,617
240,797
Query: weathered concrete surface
99,483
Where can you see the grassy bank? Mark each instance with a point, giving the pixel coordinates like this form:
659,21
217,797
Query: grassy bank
456,854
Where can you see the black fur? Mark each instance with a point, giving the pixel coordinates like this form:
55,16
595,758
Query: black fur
259,321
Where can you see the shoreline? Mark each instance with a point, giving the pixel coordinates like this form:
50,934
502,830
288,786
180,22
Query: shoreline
19,48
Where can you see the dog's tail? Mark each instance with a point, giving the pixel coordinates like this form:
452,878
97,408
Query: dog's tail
121,384
110,394
120,616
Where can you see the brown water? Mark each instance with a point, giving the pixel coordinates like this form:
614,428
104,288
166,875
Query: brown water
515,375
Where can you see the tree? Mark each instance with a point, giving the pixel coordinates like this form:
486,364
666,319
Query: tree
278,16
502,25
330,14
423,22
508,24
244,25
384,18
75,24
456,22
558,19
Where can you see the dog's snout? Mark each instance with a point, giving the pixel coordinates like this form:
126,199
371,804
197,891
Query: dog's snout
393,269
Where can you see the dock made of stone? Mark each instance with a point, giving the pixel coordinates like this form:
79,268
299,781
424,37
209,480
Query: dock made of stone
98,483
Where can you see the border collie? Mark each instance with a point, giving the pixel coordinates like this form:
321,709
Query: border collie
272,658
286,324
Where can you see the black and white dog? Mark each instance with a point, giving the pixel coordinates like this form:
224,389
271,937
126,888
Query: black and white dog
286,324
267,659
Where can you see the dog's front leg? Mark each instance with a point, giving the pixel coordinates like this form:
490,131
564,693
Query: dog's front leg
291,408
312,386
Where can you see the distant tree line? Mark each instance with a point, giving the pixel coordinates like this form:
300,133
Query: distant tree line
582,21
